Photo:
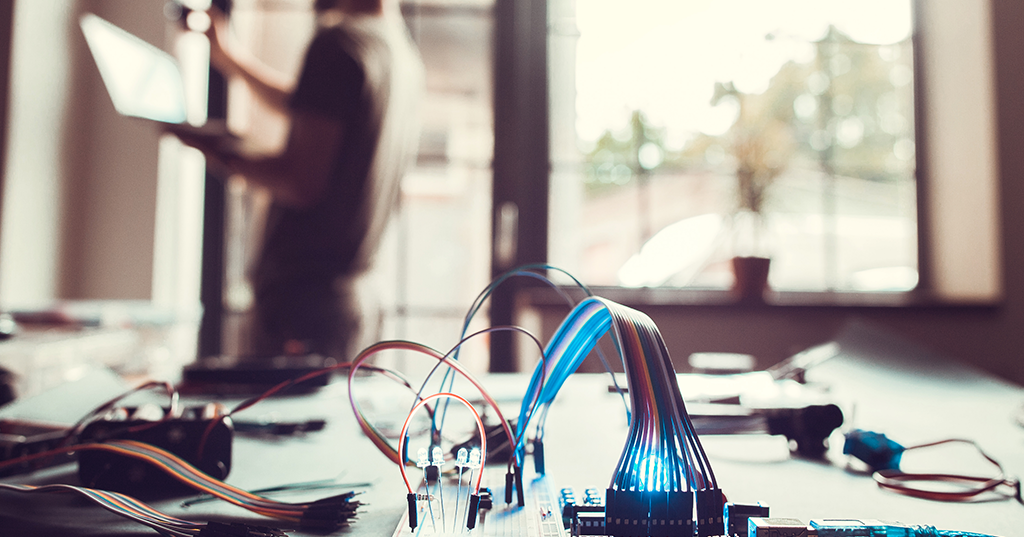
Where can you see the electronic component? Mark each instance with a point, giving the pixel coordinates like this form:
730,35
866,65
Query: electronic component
736,516
876,528
779,527
589,524
876,450
184,436
278,428
19,438
583,518
232,374
567,503
234,529
883,456
790,527
539,518
662,464
486,499
710,513
809,427
474,507
329,514
864,528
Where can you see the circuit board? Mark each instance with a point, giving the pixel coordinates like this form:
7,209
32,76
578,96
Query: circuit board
540,516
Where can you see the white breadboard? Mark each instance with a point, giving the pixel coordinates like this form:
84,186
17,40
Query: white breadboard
539,517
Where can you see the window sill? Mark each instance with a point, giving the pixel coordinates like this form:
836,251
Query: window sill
722,298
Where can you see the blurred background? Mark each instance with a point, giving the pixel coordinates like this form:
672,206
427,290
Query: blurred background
867,149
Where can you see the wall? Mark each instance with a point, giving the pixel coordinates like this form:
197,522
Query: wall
38,94
80,181
110,213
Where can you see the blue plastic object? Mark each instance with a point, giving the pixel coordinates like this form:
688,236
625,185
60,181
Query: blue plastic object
876,450
874,528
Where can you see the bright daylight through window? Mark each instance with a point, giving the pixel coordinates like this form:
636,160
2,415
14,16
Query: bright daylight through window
706,130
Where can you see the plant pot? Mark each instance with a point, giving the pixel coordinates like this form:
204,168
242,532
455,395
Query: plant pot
750,278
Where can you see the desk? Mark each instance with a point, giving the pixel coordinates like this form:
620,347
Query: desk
888,387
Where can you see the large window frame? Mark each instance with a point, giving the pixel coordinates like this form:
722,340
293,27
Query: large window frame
959,248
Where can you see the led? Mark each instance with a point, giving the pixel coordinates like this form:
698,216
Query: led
437,458
462,458
474,458
651,474
421,458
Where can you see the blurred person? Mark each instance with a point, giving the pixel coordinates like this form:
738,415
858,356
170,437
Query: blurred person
353,128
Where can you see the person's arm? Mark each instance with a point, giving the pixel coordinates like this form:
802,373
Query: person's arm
298,175
233,61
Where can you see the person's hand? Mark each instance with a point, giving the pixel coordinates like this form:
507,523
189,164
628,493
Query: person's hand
214,147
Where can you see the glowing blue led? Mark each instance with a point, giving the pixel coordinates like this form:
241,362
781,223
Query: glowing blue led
651,472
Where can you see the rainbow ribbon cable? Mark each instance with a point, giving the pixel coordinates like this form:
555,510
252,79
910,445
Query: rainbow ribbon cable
663,465
327,514
132,509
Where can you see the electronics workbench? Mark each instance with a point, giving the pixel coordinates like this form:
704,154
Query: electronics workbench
591,461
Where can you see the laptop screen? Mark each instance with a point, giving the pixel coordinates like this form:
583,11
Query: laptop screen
142,80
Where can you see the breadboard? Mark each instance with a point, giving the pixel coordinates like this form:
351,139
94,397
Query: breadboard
540,516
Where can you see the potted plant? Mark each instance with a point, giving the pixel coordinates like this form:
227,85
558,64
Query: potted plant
761,145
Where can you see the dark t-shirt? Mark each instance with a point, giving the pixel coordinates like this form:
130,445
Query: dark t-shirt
365,73
322,241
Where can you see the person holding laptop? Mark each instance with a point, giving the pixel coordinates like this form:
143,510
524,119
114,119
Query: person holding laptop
353,129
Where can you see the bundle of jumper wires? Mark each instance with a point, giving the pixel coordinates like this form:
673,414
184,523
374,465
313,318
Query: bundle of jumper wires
663,464
882,456
651,492
326,514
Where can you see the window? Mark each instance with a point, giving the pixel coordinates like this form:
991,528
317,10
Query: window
688,132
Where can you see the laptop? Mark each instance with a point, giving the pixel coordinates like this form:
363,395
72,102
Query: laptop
142,80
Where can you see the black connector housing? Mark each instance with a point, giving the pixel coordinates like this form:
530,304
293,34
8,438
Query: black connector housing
538,456
629,513
508,487
612,512
585,518
567,502
234,529
671,513
411,499
710,513
520,493
589,524
329,514
657,521
474,506
486,498
737,515
626,513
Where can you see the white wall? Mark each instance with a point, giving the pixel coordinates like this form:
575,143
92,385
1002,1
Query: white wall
81,181
963,170
30,237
